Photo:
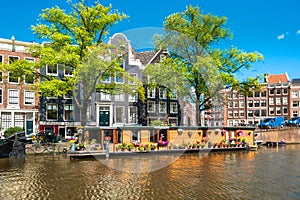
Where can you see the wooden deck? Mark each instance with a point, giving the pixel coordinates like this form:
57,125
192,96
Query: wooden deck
102,153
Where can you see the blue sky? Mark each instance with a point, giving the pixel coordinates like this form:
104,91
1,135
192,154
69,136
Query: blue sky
271,27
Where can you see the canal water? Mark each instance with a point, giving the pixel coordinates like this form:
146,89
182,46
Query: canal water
269,173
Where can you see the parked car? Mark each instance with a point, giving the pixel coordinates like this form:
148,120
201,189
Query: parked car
294,121
272,122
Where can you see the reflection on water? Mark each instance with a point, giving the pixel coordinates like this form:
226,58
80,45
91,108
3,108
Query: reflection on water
270,173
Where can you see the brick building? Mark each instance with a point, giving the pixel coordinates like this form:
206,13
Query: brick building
18,100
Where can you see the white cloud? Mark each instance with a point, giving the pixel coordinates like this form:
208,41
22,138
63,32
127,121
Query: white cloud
280,37
298,32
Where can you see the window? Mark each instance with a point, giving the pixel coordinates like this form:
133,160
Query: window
29,78
242,113
250,113
69,70
69,95
119,97
105,96
236,104
162,93
263,103
264,94
250,103
132,114
1,76
285,110
271,101
51,111
230,114
68,112
12,78
119,114
256,113
119,78
278,100
294,94
6,120
151,106
134,78
295,113
13,97
52,70
1,59
271,110
173,95
263,113
271,92
236,114
285,91
12,59
256,103
278,91
256,94
106,78
278,110
29,98
235,95
132,97
284,100
242,104
295,104
241,96
162,107
151,93
173,107
230,104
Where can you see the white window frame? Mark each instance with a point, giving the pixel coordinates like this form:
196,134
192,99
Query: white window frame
132,116
13,100
69,107
151,93
105,96
162,93
29,97
11,56
132,97
173,107
119,97
152,104
71,71
52,74
52,104
133,75
11,82
162,107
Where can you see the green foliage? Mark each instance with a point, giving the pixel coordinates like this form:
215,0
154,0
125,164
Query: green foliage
199,69
156,123
12,130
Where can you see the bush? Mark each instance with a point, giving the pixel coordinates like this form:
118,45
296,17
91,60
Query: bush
12,130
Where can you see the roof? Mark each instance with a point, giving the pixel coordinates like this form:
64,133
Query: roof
278,78
296,81
145,57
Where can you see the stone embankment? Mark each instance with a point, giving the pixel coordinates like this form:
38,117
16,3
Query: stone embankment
291,135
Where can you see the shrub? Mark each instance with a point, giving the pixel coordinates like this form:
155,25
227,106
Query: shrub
12,130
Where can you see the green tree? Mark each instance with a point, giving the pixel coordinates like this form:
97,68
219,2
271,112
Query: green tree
75,43
200,69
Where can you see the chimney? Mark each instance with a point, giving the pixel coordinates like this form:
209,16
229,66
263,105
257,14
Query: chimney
266,78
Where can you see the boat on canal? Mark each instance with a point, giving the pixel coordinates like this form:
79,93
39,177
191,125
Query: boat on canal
13,145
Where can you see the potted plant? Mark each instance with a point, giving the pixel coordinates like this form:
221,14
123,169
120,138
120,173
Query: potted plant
123,146
179,131
153,146
141,148
190,133
130,146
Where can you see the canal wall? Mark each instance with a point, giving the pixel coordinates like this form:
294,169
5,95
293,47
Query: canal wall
290,135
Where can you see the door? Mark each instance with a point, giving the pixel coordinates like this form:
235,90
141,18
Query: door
104,118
